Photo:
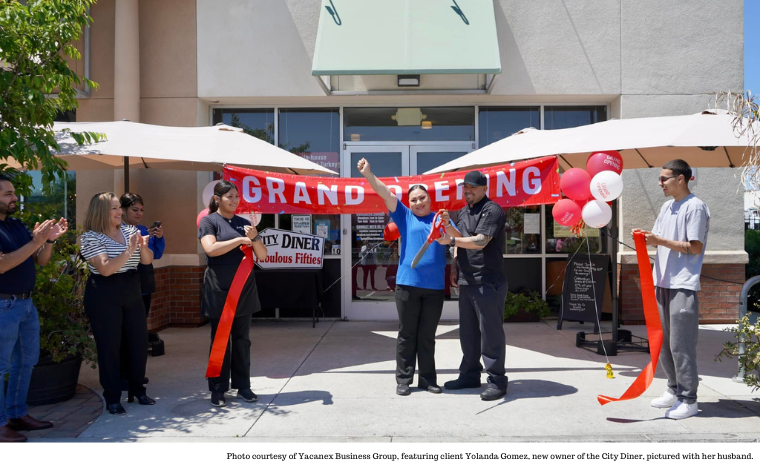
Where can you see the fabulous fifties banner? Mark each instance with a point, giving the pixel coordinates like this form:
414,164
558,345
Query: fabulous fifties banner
524,183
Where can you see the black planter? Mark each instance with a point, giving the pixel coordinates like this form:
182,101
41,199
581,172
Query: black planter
54,382
522,317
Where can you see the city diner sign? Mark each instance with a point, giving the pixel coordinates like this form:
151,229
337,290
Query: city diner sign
524,183
289,250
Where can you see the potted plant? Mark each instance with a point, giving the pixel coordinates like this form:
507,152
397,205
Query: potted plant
525,306
64,328
748,332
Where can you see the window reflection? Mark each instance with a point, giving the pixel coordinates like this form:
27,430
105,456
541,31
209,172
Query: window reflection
256,122
523,230
363,124
563,117
496,123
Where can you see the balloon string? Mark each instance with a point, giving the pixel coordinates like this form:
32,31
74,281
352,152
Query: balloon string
596,308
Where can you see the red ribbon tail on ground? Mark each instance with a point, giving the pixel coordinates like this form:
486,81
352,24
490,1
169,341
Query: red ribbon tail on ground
222,336
654,327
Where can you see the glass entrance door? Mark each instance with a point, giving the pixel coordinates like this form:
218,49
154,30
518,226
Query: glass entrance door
369,269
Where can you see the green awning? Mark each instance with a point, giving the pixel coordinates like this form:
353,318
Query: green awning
406,37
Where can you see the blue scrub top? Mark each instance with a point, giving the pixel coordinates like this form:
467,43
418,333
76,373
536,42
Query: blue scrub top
430,273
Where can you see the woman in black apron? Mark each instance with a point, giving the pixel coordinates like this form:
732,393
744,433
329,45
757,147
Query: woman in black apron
222,233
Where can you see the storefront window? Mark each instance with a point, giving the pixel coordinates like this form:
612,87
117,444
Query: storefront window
314,134
61,201
559,239
496,123
324,225
523,230
256,122
408,124
563,117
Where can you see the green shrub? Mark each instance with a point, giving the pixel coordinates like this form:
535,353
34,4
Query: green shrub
526,300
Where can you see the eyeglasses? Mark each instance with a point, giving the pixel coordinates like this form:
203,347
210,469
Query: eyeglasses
663,179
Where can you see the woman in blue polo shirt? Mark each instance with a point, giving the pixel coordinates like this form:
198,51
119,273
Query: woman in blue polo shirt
419,291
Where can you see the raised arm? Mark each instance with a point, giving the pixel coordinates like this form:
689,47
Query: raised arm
107,266
380,188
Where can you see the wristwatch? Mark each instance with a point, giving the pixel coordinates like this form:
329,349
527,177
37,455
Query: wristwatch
453,241
49,241
257,238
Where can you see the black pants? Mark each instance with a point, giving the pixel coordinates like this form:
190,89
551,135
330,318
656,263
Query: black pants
419,311
237,357
481,332
146,302
115,309
146,298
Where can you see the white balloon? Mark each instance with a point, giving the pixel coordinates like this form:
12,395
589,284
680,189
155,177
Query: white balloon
606,185
597,213
254,218
208,192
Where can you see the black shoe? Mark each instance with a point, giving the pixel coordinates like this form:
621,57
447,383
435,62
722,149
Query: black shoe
247,395
142,400
431,388
116,408
493,393
217,399
456,384
403,390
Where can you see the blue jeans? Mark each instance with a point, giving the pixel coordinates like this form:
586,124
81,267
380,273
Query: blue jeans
19,352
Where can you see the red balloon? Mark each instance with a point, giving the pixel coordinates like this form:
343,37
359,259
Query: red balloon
391,232
566,212
200,216
601,161
575,184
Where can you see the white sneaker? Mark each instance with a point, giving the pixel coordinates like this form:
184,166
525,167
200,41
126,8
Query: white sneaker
681,410
665,401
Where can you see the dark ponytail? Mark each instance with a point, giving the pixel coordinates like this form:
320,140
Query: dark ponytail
220,189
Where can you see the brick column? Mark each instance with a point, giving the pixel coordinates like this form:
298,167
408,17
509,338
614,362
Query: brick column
718,300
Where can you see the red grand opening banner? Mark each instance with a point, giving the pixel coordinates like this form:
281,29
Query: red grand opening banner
523,183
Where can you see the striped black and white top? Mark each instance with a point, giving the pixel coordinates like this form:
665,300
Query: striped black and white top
94,243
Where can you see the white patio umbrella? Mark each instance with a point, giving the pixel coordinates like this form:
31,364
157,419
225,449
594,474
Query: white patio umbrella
706,139
136,145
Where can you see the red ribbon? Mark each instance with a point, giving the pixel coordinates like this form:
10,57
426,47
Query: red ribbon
654,327
219,347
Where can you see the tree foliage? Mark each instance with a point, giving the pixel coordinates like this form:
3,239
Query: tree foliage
36,83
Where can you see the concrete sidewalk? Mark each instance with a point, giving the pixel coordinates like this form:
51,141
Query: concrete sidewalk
336,383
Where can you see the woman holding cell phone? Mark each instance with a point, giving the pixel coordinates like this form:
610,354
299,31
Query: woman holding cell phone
132,212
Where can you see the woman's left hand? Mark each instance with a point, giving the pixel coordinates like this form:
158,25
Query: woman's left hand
158,232
250,232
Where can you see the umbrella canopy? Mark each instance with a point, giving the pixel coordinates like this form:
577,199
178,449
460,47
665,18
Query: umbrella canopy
706,139
175,148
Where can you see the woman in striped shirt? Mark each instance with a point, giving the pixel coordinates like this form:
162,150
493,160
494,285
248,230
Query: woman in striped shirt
112,297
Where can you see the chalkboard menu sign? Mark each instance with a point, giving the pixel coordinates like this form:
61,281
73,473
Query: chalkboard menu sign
578,291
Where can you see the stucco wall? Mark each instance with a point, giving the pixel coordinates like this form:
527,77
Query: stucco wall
261,48
168,92
719,188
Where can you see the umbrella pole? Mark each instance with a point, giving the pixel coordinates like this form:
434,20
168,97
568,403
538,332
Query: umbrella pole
126,174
